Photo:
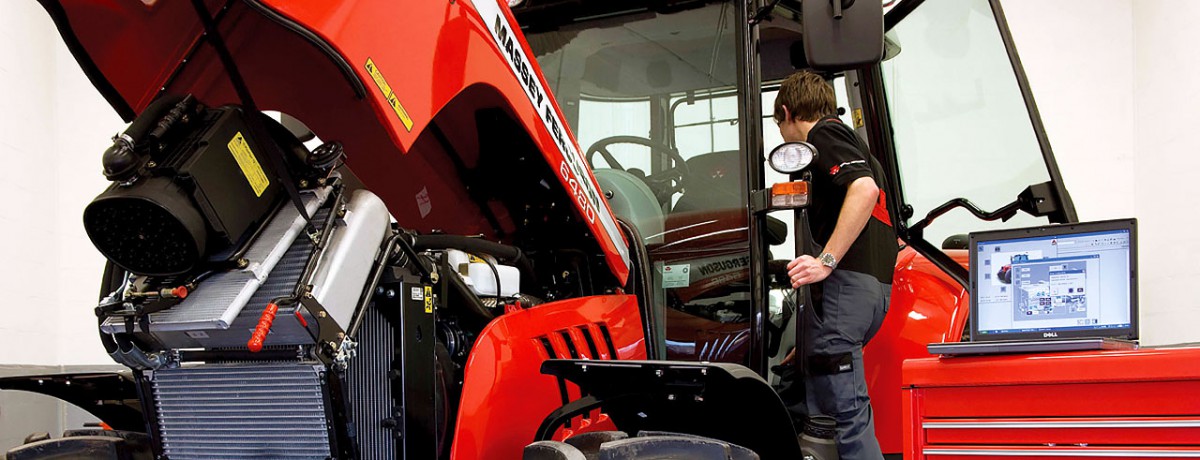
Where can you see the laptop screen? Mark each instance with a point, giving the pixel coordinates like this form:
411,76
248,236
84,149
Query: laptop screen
1075,280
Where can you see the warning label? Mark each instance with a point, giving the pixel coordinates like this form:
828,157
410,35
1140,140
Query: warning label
248,163
388,95
428,299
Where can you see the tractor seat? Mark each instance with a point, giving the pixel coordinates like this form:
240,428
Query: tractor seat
630,199
715,183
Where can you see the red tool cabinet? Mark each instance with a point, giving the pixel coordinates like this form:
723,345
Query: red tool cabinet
1135,404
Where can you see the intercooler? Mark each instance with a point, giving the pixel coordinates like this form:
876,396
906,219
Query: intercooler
223,411
228,408
280,410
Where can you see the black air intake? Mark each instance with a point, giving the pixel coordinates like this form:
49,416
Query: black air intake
202,186
151,229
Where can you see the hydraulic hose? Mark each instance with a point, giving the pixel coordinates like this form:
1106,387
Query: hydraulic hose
470,244
505,253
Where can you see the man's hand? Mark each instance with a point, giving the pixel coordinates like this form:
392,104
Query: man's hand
807,270
791,356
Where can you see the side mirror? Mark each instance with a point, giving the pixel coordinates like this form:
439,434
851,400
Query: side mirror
842,34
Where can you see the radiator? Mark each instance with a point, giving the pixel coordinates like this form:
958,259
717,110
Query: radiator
370,388
231,411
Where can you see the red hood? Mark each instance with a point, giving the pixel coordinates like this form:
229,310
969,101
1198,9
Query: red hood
372,74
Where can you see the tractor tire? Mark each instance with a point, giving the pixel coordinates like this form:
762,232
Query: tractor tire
551,450
648,445
589,443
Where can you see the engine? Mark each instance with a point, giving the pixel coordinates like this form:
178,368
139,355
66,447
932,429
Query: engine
267,308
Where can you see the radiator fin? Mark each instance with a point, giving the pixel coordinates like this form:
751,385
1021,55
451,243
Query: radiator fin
242,411
370,387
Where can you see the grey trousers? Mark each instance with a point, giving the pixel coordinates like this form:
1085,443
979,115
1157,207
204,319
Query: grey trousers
850,312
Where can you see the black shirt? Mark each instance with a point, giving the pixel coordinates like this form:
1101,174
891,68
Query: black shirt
843,157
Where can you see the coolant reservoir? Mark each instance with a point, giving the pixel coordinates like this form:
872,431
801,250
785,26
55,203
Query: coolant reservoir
479,276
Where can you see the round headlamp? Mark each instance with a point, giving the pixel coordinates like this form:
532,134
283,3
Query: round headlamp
791,157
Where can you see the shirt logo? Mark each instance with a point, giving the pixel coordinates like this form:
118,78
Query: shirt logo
834,170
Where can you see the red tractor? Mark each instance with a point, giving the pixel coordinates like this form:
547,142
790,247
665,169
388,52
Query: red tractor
367,229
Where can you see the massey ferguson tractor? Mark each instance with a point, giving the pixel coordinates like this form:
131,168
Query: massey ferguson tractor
458,229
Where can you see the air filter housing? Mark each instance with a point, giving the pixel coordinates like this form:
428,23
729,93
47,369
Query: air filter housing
206,189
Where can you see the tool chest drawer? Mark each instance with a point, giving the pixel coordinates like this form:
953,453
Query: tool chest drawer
1140,404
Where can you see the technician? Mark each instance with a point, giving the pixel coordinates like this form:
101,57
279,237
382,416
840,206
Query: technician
851,278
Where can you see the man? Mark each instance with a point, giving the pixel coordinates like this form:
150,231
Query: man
851,277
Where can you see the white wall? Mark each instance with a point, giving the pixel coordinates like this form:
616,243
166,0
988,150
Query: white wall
53,128
1080,69
1119,92
1167,167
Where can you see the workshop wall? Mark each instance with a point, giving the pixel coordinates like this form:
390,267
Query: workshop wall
53,128
1166,166
1118,88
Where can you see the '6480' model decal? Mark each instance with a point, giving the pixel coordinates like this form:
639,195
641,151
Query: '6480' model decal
573,167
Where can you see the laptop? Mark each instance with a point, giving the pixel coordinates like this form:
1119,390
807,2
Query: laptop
1052,288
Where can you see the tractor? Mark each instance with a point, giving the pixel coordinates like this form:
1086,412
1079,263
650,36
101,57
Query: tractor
368,229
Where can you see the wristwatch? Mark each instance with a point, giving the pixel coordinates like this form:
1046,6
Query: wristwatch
828,260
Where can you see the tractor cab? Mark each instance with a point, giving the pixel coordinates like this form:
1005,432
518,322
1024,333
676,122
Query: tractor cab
672,104
653,100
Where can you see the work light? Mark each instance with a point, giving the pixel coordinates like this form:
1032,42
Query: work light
791,157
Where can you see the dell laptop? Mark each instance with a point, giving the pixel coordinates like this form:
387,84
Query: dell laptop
1052,288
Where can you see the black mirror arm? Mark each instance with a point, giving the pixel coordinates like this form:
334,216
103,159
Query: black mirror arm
1003,214
1036,200
763,13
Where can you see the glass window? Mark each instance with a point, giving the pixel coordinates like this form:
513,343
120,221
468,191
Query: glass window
669,79
616,118
959,121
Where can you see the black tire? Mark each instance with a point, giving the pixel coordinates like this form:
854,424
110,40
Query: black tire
589,443
648,445
551,450
736,452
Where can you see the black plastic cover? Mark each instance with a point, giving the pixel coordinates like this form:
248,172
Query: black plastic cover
727,402
209,188
854,40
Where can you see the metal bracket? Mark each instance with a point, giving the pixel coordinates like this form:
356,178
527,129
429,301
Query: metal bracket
329,336
760,201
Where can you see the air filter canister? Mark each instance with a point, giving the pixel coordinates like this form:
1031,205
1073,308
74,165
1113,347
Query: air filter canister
151,229
209,188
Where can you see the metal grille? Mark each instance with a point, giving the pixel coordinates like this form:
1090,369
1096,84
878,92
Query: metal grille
596,339
260,410
370,387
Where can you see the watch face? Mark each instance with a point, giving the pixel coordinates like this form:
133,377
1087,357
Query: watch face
828,260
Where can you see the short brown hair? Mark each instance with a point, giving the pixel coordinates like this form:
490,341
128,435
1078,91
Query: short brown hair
807,96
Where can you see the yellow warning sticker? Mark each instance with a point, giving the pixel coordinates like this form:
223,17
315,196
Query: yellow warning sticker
858,118
428,299
388,95
249,164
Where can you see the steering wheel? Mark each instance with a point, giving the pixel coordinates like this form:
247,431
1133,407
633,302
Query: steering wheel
663,183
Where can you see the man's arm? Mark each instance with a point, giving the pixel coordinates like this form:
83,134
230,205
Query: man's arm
861,196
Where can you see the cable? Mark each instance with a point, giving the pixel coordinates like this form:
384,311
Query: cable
496,273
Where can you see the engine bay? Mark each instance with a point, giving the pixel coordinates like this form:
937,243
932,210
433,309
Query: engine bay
242,262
